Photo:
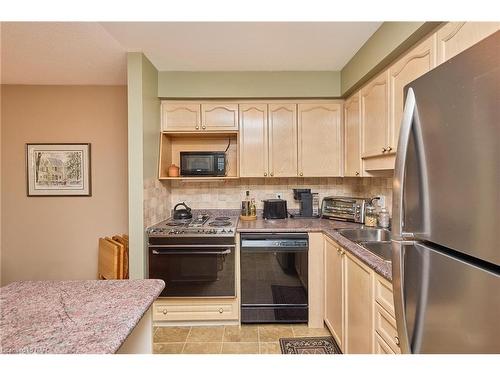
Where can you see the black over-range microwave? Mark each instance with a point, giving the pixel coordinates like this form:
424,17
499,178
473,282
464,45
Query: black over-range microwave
203,163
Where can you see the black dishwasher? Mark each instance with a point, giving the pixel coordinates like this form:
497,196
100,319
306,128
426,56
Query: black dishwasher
274,277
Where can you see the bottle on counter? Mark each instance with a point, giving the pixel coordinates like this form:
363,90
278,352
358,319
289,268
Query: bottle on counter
253,208
370,216
246,205
384,218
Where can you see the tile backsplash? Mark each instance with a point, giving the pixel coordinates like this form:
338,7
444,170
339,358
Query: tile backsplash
229,193
157,202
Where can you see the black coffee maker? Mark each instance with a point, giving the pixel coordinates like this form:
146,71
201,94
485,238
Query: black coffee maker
308,202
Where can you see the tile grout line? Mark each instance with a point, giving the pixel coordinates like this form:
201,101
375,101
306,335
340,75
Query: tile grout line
185,341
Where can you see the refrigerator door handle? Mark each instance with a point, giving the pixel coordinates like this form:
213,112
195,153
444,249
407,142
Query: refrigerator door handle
399,304
399,169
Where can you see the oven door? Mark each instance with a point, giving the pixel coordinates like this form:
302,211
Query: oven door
194,270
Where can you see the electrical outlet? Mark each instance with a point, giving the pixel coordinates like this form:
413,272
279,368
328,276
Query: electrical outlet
278,195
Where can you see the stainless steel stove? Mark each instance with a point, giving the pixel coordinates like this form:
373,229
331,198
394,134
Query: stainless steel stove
199,226
195,257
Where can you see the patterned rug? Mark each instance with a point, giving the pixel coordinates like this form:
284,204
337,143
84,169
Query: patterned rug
309,345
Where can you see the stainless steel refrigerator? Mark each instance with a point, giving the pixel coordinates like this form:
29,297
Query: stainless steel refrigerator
446,207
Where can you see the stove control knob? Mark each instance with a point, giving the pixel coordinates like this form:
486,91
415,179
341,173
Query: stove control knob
223,231
229,231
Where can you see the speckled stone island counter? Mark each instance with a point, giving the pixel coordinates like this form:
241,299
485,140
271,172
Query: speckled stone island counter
90,316
325,226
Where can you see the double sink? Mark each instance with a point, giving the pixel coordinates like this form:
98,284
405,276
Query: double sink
375,240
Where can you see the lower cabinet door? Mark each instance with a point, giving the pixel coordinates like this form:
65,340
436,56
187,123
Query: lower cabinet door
358,307
334,291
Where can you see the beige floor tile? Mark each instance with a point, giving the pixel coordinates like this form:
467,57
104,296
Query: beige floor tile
168,348
304,331
272,333
202,348
240,348
245,333
270,348
171,334
206,334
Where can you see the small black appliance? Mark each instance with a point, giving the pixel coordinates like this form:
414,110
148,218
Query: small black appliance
275,209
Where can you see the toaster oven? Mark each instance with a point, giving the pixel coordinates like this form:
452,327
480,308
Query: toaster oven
344,208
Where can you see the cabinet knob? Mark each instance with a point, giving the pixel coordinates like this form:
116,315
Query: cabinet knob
357,173
384,149
265,173
164,311
272,174
221,310
396,340
338,250
203,127
389,148
342,252
197,127
301,173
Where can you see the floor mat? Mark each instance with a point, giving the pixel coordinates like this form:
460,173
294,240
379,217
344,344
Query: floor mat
309,345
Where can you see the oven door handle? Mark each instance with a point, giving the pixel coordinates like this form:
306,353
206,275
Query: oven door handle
191,246
166,252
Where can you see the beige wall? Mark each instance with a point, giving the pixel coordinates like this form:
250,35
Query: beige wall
57,237
249,84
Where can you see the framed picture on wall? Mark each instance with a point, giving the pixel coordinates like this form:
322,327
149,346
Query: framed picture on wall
58,169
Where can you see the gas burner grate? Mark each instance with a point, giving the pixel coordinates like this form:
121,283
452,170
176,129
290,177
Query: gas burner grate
222,218
219,223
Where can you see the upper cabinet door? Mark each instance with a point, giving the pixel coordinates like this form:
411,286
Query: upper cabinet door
415,63
219,116
352,134
320,139
283,140
454,37
375,116
180,116
253,140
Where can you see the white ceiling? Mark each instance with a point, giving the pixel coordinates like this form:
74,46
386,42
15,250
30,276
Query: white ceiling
247,46
81,53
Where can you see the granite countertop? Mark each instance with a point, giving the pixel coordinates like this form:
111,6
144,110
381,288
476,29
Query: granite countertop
325,226
87,316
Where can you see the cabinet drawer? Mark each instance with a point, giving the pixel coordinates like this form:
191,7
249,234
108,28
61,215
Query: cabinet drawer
385,326
384,295
195,310
381,346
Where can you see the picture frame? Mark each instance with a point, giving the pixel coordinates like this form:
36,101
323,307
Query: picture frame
58,169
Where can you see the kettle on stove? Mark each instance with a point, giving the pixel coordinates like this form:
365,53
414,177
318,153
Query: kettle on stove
182,213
